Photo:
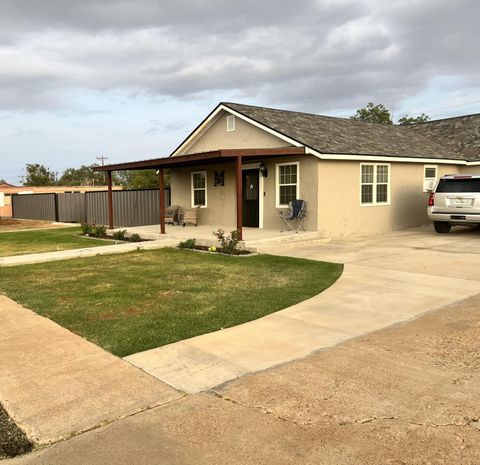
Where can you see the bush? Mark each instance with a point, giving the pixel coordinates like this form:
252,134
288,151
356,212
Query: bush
135,238
188,244
228,242
120,234
86,229
98,230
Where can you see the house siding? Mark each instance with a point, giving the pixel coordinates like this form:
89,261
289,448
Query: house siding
245,136
342,215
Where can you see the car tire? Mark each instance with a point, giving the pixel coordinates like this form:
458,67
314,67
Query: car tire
442,227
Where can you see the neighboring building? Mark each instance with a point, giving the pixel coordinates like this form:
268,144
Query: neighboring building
7,190
357,178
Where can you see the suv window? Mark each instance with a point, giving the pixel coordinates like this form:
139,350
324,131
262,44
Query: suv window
459,185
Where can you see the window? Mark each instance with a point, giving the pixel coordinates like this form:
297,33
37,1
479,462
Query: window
375,184
199,189
287,183
230,123
429,177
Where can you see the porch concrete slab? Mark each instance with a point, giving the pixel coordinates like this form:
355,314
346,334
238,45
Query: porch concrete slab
55,383
364,299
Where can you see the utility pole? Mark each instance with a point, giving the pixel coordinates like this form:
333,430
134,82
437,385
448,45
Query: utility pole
102,159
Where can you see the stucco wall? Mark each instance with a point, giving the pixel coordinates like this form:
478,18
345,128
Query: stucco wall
470,170
221,201
342,215
244,136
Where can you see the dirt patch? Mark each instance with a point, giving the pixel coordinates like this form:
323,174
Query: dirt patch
11,224
13,440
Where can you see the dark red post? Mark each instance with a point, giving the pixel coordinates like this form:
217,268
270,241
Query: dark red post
110,200
238,174
161,193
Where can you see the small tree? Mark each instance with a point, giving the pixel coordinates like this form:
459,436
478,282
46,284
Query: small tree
83,176
39,175
373,114
408,120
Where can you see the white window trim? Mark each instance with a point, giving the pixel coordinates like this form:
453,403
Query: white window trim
192,189
277,183
428,180
374,203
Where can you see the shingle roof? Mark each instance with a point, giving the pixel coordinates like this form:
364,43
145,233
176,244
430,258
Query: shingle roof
460,134
331,135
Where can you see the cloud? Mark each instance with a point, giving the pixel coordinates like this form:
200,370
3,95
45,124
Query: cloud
309,54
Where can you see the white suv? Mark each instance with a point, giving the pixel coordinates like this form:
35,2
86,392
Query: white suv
455,201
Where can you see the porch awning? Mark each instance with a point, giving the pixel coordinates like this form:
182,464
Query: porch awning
203,157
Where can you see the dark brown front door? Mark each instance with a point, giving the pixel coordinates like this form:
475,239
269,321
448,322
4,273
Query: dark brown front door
250,196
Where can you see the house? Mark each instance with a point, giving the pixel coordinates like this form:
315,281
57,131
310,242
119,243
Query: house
243,163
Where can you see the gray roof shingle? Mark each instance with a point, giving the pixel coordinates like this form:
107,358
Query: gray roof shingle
327,134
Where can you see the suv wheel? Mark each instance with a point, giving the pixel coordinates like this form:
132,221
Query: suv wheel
442,226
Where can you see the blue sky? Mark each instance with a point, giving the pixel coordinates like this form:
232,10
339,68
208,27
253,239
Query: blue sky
130,79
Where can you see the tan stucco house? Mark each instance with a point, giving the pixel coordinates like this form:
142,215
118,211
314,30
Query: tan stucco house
243,163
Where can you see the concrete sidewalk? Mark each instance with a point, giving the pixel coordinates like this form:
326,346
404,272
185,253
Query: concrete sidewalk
55,383
387,279
44,257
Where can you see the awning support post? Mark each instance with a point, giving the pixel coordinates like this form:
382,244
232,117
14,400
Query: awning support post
110,200
238,174
161,193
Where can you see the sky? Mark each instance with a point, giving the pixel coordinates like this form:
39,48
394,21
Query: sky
129,79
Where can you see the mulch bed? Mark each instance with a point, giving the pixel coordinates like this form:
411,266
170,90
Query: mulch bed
13,440
204,248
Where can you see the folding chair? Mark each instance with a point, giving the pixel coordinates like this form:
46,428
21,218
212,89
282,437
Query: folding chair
296,215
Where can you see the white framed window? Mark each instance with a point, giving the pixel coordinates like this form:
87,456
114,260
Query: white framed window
374,184
430,173
287,180
199,188
230,123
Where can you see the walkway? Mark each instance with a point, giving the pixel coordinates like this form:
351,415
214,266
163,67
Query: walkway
387,279
55,384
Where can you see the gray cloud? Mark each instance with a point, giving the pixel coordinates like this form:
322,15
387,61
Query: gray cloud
309,54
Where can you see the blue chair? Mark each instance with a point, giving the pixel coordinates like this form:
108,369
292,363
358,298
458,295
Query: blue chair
296,215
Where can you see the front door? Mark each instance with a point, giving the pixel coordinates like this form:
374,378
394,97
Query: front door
250,196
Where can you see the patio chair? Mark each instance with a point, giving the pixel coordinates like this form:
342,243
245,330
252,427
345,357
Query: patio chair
296,215
171,214
190,216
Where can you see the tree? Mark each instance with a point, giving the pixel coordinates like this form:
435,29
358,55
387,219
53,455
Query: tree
408,120
373,114
39,175
83,176
140,179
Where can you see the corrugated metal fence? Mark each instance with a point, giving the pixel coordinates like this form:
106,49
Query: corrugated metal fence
130,208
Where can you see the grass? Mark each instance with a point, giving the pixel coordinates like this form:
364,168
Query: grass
137,301
12,439
48,240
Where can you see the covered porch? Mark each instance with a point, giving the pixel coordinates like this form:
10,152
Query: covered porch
231,205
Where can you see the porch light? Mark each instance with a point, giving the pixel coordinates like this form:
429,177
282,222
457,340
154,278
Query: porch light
263,170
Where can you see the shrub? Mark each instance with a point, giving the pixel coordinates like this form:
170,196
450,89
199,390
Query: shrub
188,244
98,230
228,242
120,234
86,229
135,238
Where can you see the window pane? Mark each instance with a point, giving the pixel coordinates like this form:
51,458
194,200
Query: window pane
367,194
382,173
199,180
288,174
199,197
367,174
430,172
382,193
287,193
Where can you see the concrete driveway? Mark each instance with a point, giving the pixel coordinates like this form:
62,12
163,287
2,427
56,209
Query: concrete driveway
387,279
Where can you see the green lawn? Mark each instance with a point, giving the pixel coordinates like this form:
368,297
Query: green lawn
132,302
46,240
